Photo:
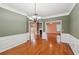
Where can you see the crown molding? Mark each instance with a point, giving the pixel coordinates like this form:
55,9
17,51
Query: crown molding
72,8
63,14
22,13
58,15
12,9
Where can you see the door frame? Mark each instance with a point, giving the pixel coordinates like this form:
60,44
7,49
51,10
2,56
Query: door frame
55,21
41,27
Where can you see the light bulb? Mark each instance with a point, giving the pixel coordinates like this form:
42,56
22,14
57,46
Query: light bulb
38,17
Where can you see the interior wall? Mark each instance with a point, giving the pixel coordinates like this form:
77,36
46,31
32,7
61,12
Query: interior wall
65,24
74,21
12,23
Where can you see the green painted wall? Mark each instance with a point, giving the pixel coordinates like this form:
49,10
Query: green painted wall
74,21
12,23
65,24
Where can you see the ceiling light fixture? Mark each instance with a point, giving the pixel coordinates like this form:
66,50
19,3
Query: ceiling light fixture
35,16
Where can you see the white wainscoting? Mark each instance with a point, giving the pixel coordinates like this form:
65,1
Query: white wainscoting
9,42
67,38
73,42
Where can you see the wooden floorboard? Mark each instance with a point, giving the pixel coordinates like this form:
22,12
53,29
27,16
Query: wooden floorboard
41,47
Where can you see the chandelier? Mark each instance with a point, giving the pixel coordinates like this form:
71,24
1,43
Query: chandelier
35,16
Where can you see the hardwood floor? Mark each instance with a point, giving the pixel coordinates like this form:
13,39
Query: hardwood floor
41,47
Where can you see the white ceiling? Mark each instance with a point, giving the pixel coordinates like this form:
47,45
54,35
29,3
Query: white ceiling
45,10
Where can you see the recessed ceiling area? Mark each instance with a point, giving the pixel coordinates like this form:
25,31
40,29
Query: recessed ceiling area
45,10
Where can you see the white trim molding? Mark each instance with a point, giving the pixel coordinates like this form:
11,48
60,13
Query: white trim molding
12,9
63,14
72,8
22,13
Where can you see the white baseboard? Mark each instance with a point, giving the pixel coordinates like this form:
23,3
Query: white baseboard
9,42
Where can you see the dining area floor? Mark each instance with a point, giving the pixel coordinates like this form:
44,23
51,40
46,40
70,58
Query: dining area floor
40,47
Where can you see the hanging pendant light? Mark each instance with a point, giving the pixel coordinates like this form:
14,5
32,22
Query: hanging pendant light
35,17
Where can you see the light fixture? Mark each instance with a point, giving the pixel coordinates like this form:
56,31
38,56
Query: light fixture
35,16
